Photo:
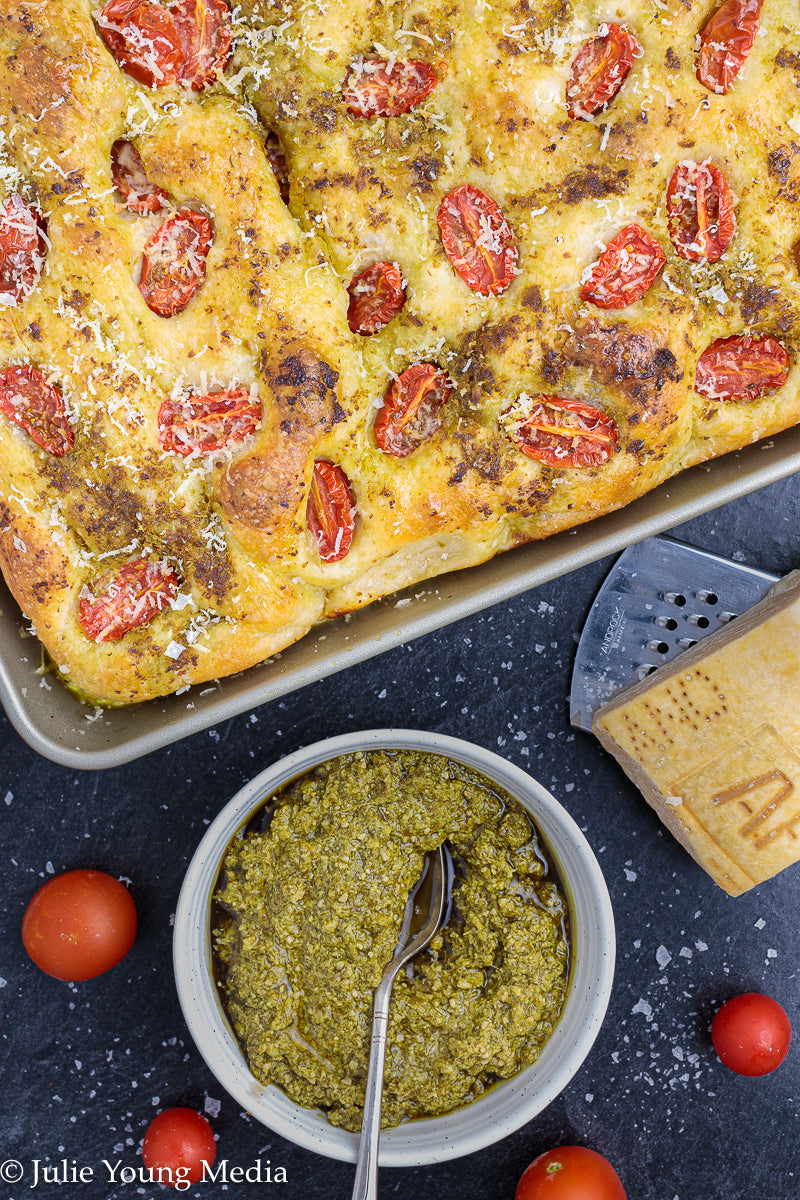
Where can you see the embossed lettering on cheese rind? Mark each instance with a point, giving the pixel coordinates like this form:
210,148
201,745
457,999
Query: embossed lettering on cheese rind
748,800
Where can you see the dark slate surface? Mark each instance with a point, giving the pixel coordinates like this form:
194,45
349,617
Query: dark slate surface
87,1066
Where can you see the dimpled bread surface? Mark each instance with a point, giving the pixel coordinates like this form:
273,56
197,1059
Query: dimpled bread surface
271,312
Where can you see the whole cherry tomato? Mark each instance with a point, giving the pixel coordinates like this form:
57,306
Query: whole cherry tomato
79,925
409,414
625,270
751,1034
331,511
127,599
22,249
36,406
178,1144
277,160
725,42
478,240
174,261
570,1173
561,433
187,42
130,179
700,211
599,69
373,88
741,367
204,424
376,296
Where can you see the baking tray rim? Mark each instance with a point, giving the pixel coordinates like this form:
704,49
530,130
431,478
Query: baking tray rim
732,476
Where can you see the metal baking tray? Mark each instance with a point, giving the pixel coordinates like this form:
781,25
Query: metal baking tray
61,728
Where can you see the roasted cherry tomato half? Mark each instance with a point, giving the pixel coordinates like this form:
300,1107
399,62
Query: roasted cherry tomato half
204,29
741,368
625,269
561,433
478,240
376,296
725,42
570,1173
373,88
599,69
751,1034
174,261
36,406
409,414
128,599
277,160
177,1145
22,250
331,511
700,211
203,424
186,43
144,39
79,925
130,179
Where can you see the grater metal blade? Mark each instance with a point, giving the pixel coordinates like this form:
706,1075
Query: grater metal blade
660,598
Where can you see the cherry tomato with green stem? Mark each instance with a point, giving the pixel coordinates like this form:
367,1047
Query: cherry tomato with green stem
570,1173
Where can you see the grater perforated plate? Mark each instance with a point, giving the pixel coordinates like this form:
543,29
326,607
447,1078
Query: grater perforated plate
660,598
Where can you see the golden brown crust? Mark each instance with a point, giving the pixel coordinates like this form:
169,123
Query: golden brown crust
262,492
271,314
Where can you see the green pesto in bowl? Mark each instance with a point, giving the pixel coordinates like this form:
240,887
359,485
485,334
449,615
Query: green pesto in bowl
307,912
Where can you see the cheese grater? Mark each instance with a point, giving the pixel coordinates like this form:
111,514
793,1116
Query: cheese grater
660,598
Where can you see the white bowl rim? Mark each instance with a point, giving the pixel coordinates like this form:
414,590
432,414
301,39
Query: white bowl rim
506,1106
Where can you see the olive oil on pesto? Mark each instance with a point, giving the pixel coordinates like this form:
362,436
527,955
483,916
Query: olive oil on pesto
308,912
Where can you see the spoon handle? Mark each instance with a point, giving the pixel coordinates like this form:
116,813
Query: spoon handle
366,1181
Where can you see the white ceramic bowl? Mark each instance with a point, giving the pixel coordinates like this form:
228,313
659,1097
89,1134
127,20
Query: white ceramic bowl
507,1105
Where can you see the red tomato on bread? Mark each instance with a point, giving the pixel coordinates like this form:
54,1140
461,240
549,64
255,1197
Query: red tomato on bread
625,270
725,42
331,511
377,88
478,240
599,69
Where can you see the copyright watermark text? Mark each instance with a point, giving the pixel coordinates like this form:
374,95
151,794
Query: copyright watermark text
39,1173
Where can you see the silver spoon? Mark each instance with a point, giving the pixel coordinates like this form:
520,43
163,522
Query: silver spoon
424,913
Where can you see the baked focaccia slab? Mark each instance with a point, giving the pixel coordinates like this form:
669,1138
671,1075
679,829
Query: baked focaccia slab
304,302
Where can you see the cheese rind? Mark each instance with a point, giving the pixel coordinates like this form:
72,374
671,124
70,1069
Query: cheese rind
712,740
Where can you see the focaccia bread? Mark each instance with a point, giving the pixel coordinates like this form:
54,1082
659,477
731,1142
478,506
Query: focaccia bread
302,302
712,740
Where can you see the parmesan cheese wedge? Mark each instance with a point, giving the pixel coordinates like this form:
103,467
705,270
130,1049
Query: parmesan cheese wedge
712,740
